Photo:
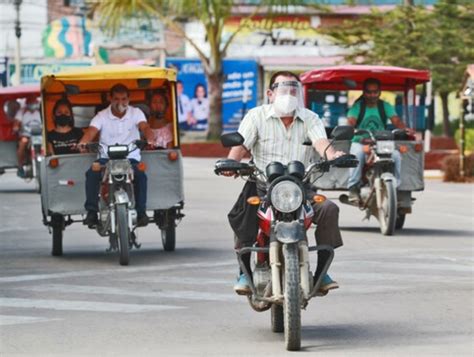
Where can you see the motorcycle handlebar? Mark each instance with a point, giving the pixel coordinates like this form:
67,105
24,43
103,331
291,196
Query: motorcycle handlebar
229,165
96,147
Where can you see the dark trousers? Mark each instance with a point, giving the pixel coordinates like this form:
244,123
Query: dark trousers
326,219
93,179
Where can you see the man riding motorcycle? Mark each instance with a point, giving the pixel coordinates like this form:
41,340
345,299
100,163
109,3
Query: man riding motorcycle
276,132
26,118
370,113
118,123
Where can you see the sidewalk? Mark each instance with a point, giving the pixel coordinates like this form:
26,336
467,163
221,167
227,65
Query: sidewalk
433,174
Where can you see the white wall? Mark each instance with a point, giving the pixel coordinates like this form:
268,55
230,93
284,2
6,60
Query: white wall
33,18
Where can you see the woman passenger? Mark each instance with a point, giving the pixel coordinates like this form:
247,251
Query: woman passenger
64,138
161,128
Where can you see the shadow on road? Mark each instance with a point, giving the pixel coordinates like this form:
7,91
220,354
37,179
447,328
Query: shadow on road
425,232
340,337
140,257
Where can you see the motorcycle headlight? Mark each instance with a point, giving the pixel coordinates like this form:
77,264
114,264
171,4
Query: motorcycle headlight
286,196
119,167
385,147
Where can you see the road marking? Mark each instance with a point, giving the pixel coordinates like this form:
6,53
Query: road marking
407,265
84,289
128,270
16,320
406,278
92,306
182,280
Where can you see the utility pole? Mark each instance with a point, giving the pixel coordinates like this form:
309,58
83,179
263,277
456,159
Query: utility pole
17,4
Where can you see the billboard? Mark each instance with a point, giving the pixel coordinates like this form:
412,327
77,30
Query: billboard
239,94
32,72
4,72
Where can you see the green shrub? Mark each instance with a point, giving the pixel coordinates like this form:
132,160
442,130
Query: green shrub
454,125
468,138
450,167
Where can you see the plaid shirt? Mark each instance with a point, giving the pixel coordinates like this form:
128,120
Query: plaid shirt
269,140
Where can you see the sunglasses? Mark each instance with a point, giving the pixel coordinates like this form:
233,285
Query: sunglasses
375,91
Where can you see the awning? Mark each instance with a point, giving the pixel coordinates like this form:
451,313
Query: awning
298,63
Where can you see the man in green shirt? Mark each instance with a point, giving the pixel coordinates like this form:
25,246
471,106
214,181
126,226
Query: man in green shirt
370,113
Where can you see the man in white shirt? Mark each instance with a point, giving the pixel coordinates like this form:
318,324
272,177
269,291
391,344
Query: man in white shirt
276,132
184,106
25,120
119,123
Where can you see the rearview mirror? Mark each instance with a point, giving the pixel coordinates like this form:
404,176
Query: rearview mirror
232,139
349,83
72,89
342,132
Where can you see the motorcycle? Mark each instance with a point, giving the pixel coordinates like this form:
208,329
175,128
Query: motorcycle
117,214
378,193
281,279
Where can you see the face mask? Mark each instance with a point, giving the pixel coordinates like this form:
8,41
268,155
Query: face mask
285,104
32,107
63,120
121,108
157,114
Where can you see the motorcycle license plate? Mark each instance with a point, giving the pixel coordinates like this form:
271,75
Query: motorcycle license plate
36,140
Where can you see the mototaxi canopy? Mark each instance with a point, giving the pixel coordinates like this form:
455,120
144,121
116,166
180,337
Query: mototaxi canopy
13,93
90,87
351,77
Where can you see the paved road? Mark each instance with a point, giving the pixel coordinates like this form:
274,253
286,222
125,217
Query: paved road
403,295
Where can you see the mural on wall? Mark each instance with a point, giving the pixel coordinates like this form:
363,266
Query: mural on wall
269,36
68,37
31,72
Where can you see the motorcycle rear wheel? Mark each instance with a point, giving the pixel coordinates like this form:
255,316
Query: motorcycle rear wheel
292,298
277,318
123,233
387,213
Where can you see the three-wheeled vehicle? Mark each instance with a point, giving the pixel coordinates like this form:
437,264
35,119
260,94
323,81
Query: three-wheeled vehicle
63,176
326,92
10,106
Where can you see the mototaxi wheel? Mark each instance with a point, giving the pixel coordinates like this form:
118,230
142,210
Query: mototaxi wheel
400,221
165,220
57,227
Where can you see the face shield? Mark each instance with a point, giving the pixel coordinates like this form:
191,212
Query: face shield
287,97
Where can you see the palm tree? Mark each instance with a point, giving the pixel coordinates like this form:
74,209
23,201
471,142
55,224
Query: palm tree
211,13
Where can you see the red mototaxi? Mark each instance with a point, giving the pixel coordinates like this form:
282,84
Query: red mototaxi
8,138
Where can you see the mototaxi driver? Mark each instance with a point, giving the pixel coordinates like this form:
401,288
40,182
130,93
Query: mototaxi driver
118,123
370,113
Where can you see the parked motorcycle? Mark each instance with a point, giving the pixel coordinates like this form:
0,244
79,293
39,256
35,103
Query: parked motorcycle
117,214
378,193
281,279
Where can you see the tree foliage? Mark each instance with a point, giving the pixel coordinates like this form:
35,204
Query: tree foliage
439,39
212,14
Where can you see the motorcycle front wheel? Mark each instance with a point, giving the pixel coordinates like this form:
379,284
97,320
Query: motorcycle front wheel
387,212
292,298
123,234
